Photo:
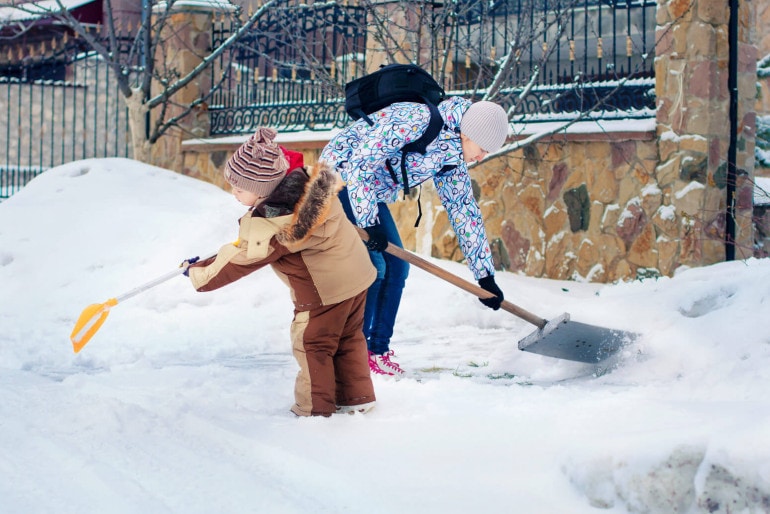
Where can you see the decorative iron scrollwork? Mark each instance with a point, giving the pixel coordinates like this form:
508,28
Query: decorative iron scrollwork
286,118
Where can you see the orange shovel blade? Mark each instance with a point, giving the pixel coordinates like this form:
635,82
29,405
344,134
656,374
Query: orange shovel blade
90,320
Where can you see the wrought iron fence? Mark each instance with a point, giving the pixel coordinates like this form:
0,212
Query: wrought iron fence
579,55
50,122
583,54
284,72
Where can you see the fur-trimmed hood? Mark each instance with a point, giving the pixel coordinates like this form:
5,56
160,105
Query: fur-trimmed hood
305,195
301,231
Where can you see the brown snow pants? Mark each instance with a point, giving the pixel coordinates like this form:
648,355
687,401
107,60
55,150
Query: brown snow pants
330,348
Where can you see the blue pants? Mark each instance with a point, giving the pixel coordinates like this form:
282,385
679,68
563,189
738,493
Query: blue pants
384,295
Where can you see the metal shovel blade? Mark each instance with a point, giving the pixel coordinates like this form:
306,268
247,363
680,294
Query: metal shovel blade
575,341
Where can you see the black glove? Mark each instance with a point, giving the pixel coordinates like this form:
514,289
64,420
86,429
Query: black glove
186,265
488,284
378,241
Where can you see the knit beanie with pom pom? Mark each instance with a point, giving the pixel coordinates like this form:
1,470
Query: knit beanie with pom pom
259,165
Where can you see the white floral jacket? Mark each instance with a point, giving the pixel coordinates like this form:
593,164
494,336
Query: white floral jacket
360,151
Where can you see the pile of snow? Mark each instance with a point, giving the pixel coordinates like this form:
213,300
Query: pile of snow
180,402
762,191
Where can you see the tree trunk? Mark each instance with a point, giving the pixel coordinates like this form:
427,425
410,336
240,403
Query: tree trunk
137,122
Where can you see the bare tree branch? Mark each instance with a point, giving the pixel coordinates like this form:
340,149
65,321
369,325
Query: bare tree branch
455,39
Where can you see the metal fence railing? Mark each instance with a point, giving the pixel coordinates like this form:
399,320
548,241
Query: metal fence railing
49,122
13,178
284,72
291,71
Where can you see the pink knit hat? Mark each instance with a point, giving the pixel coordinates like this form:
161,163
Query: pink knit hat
259,165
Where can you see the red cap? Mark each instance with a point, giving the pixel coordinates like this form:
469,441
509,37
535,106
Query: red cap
296,159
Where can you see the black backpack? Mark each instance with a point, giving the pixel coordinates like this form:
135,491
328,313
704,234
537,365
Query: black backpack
397,83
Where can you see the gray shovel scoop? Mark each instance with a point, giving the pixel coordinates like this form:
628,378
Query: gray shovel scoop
560,337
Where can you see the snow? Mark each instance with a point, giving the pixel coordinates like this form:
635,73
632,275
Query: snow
627,214
180,401
762,191
609,210
762,156
693,185
651,190
667,212
670,135
208,5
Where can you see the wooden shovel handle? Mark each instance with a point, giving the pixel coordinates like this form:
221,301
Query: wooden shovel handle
463,284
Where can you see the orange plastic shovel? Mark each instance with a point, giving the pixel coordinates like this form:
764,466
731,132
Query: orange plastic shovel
93,316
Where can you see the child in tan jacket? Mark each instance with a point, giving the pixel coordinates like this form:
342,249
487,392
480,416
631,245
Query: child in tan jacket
296,224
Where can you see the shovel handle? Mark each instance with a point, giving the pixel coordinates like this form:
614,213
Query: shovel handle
467,286
153,283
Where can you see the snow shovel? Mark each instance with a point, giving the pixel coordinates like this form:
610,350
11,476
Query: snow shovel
93,316
560,337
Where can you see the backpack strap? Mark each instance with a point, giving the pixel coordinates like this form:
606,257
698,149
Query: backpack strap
361,114
393,172
419,207
420,144
435,125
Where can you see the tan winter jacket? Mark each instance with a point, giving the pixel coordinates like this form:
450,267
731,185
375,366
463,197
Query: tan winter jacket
302,232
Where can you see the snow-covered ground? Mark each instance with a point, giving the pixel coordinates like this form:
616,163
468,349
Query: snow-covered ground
179,403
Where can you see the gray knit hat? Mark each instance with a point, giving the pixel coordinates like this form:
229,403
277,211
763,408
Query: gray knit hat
259,165
486,124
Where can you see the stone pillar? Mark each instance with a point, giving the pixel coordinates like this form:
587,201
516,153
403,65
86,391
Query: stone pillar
408,34
187,36
693,126
762,21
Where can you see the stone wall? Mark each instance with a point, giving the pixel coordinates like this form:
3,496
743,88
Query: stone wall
566,208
